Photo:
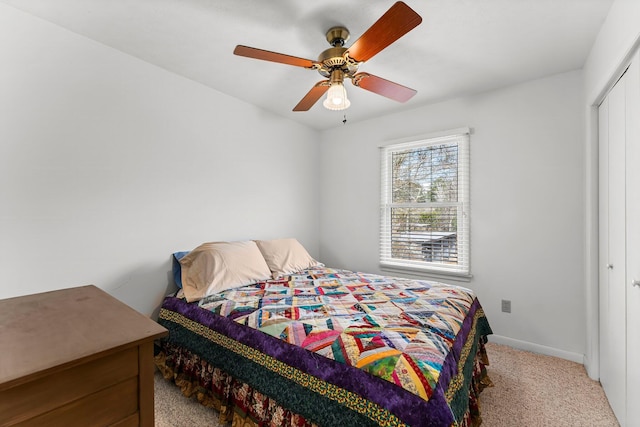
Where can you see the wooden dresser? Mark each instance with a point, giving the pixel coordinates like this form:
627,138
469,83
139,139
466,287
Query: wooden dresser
75,357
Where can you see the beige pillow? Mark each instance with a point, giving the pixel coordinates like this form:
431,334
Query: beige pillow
285,256
217,266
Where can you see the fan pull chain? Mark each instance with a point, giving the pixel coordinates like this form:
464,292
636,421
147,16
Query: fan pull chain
344,120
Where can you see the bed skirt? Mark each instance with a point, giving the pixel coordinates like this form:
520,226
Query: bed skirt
243,406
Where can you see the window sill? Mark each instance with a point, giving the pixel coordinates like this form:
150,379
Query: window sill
426,274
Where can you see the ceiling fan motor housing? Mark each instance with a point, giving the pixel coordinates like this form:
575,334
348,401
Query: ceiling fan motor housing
334,58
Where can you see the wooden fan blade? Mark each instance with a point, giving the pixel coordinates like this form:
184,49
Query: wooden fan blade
383,87
312,96
266,55
395,23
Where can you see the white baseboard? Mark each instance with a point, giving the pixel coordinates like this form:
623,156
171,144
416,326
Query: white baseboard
537,348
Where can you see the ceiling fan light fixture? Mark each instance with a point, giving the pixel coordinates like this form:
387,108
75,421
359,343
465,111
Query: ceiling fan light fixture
336,98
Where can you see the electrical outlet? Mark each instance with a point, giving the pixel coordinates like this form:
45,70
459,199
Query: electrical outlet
506,306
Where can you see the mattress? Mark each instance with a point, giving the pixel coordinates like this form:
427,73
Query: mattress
333,347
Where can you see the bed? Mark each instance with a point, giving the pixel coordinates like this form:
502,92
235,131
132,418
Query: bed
320,346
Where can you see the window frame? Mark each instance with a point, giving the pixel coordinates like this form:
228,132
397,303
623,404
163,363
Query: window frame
463,268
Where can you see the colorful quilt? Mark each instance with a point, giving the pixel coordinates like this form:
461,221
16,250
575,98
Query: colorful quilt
362,349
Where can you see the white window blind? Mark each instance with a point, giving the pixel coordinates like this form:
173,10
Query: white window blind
425,204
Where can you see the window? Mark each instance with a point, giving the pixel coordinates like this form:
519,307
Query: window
425,204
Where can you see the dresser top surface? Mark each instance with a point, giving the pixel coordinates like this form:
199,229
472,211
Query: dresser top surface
43,331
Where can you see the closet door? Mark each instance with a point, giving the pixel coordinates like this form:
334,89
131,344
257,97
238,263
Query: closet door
633,242
613,249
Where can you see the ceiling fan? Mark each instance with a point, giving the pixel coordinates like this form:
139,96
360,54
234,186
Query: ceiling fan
338,62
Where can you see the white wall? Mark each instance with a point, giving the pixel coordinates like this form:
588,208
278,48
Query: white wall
617,40
109,164
527,216
614,45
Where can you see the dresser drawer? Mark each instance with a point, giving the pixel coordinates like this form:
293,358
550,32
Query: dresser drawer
103,408
108,383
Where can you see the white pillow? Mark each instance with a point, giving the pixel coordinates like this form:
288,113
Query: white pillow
285,256
217,266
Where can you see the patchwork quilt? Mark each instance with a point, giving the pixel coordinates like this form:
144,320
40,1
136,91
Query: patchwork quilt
393,351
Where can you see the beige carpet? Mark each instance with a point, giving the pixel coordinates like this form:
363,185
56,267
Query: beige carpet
533,390
530,390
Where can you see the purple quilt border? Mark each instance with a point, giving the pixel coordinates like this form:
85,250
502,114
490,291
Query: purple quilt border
450,366
408,407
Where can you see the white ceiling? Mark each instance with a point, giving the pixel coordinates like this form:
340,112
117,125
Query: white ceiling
461,47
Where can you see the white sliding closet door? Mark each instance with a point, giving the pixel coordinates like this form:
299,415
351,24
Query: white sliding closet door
633,243
619,208
612,249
